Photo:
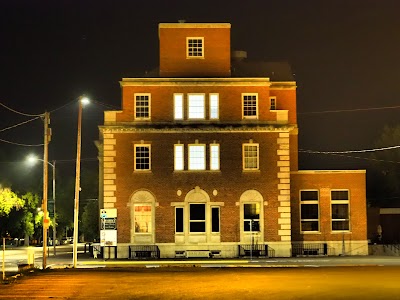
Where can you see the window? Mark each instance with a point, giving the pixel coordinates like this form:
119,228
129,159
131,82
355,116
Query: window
197,215
197,157
179,219
250,157
178,106
251,217
215,219
340,210
196,104
142,218
179,157
195,47
142,157
214,106
250,106
214,157
272,102
142,106
309,211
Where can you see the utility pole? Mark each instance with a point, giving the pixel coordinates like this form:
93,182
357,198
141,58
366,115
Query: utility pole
54,206
47,135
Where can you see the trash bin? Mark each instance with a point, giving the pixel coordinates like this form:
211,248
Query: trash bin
31,255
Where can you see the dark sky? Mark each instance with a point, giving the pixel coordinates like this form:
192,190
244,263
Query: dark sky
345,55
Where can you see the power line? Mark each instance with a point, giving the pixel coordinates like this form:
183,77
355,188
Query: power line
348,110
20,113
19,124
351,151
18,144
351,156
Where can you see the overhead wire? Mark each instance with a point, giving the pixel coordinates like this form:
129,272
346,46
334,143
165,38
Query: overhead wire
348,110
20,113
19,124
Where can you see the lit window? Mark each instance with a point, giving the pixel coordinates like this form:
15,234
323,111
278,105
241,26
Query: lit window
196,106
142,157
197,157
195,47
309,211
340,210
250,106
197,215
178,106
179,157
272,101
214,157
214,106
251,217
250,157
142,218
142,106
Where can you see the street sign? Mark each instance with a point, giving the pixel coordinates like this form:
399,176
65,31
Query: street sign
108,227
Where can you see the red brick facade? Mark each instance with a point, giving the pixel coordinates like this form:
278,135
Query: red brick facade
237,182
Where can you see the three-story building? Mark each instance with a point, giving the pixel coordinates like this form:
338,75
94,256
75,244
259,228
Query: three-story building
202,160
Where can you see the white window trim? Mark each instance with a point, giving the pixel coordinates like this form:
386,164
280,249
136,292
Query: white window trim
182,158
272,103
188,106
212,157
250,117
310,202
340,202
244,160
189,158
187,47
182,106
143,94
210,105
134,162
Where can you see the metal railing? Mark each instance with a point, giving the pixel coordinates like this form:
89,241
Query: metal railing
311,249
144,251
256,250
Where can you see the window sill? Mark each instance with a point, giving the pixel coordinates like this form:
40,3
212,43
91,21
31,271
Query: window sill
142,172
310,232
252,171
197,171
340,231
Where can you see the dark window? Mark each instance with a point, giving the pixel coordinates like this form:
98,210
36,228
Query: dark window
309,195
340,195
179,219
197,214
142,158
215,219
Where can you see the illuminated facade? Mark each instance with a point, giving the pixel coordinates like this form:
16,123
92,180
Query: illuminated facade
202,160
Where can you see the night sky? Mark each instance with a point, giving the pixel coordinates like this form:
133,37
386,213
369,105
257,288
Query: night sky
345,55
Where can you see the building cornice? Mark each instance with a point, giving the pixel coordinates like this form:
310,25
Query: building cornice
327,171
195,129
258,81
194,25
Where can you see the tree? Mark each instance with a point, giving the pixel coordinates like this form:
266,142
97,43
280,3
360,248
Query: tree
90,221
386,168
8,201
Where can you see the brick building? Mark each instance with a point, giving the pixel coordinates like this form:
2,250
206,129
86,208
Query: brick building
202,160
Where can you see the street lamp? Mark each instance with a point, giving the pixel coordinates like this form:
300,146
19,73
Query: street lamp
82,101
33,159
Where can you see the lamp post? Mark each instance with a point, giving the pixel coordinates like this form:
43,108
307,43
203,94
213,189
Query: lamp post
82,100
33,159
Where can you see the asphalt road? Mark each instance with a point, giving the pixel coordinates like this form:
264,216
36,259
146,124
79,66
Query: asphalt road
369,282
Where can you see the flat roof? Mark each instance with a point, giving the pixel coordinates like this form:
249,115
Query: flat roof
194,25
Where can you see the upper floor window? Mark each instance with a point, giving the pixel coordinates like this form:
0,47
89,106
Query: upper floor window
195,47
214,106
197,157
214,157
178,106
250,156
178,157
142,157
309,210
142,106
340,210
196,106
272,102
250,106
